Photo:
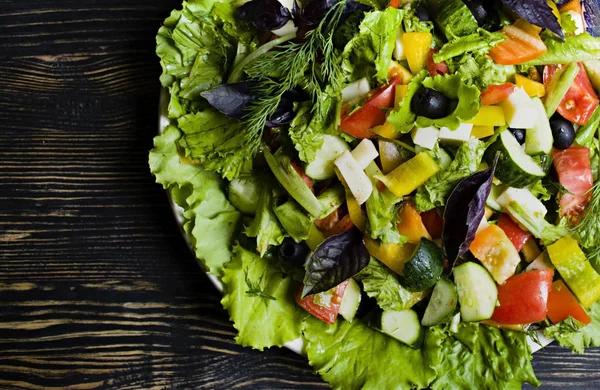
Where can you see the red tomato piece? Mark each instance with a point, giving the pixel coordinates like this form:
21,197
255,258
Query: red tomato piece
343,225
575,174
395,3
434,68
523,298
373,113
562,304
523,44
325,308
434,223
515,234
580,101
496,93
306,179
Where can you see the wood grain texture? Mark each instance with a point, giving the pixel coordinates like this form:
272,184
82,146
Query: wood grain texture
97,287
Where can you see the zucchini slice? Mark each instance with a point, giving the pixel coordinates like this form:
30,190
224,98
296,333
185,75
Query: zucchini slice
477,292
425,267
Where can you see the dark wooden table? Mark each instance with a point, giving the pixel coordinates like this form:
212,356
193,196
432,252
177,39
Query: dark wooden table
97,287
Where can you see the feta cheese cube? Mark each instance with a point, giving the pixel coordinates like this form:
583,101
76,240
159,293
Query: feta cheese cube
425,137
460,135
355,177
519,110
364,153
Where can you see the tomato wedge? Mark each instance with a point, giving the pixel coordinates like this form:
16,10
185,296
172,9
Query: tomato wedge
326,305
523,298
575,174
562,304
395,3
523,44
496,93
373,113
580,101
334,223
515,234
434,68
434,223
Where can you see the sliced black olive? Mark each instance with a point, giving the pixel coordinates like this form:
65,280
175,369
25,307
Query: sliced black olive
293,252
478,10
519,134
563,132
422,14
430,103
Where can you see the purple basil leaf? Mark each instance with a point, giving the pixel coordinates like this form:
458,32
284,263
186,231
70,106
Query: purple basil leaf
284,113
464,210
536,12
231,99
591,14
265,14
313,12
336,260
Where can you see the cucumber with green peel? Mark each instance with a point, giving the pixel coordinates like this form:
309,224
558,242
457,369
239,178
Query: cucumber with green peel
331,199
495,192
544,161
515,167
442,305
559,85
350,300
477,292
424,268
244,194
322,167
592,68
453,17
402,325
538,139
293,183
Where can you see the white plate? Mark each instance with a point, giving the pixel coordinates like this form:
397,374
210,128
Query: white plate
298,344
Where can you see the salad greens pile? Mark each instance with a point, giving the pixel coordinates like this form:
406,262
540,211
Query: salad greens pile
409,187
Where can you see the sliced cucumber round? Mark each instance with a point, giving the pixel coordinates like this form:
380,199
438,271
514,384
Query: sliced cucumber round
515,167
442,305
477,292
322,167
404,326
350,300
425,267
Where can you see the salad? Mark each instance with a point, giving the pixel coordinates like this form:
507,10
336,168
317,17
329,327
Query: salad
409,187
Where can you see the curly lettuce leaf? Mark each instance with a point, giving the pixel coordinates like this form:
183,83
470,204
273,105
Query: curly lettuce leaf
307,140
481,41
437,189
382,216
343,354
260,301
374,44
478,354
573,334
381,283
480,70
265,226
575,48
403,118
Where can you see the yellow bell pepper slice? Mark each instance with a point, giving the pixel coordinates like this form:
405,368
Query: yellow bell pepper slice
575,269
533,88
410,175
394,256
482,131
357,216
416,47
401,91
555,10
411,225
389,155
489,116
397,70
386,131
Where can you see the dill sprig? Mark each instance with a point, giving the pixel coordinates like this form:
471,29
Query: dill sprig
588,229
294,64
254,289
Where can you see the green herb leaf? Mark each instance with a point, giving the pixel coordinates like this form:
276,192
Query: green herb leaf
573,334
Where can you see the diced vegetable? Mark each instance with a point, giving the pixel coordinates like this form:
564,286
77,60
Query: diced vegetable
357,216
364,153
436,68
496,252
533,88
540,262
411,225
386,131
496,93
482,131
389,155
331,199
523,299
397,70
575,269
416,47
563,304
357,181
394,256
518,108
434,223
315,237
410,175
326,305
570,92
322,167
356,90
350,300
402,325
523,44
425,137
539,138
574,170
477,292
515,234
425,267
525,198
489,116
442,305
530,250
458,136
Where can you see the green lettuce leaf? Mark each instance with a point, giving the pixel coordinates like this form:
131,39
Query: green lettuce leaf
382,216
488,357
344,353
481,41
573,334
575,48
465,97
381,283
307,140
260,301
539,190
294,220
480,70
412,23
265,226
373,45
438,188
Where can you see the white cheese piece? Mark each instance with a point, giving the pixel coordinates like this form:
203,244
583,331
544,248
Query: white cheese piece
425,137
364,153
356,179
460,135
519,110
399,53
356,90
524,198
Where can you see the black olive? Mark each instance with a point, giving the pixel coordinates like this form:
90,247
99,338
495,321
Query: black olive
519,134
293,252
478,10
563,132
366,305
422,14
430,103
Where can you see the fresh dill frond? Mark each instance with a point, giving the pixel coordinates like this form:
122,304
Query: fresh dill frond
254,289
588,229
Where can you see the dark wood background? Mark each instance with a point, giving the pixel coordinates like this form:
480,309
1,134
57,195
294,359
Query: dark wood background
97,287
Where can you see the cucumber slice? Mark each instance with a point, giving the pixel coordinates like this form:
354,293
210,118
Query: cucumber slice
442,305
425,267
538,139
350,300
477,292
495,192
515,167
403,326
322,168
544,161
244,194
